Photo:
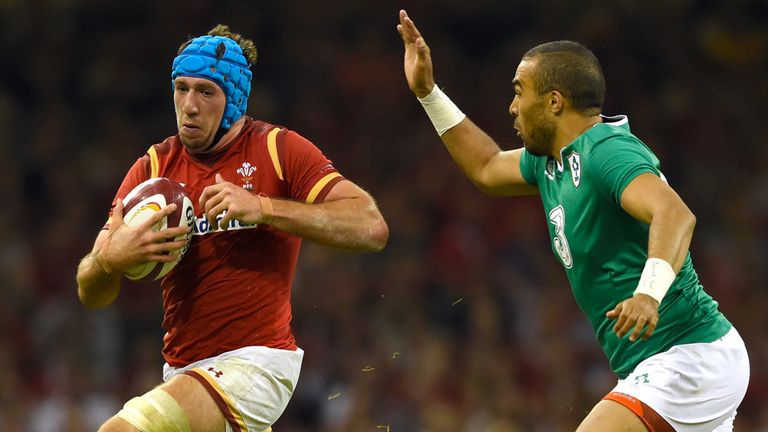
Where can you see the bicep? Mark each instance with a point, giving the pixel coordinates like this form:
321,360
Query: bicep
502,175
646,195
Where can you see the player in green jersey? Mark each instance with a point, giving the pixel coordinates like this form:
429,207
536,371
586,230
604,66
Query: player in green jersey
620,231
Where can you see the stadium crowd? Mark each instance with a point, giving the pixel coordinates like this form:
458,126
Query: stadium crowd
465,321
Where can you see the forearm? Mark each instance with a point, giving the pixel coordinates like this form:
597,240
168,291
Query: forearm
670,234
493,171
471,149
95,287
469,146
350,224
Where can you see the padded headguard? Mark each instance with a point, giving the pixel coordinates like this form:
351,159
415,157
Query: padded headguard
220,60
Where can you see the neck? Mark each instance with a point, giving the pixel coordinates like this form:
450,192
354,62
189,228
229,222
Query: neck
572,126
225,139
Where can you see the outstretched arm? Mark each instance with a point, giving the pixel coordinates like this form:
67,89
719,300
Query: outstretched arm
492,170
348,219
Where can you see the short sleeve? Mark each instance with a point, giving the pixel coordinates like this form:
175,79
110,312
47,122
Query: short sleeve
309,174
615,162
528,167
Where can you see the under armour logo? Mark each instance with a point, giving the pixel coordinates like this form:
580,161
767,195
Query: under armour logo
215,372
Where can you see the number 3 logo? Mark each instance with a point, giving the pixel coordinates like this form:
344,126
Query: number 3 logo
557,218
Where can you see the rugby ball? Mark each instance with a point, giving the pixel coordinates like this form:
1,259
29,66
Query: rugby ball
141,203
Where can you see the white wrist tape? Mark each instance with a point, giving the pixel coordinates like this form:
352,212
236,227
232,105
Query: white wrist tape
443,113
656,279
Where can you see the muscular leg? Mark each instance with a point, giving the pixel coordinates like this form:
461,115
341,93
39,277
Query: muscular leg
201,410
610,416
204,415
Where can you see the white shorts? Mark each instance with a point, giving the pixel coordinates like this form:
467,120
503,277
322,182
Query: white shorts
694,387
251,385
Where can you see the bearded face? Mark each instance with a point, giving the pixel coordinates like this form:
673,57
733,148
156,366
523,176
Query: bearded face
529,110
534,128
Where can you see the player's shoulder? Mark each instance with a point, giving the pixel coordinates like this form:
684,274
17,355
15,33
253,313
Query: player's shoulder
261,128
613,134
164,147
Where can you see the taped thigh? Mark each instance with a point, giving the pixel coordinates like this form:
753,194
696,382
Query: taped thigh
155,411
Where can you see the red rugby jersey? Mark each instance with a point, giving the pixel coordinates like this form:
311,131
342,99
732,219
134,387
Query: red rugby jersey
232,289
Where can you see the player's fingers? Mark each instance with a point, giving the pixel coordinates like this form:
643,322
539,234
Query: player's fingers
219,179
213,214
620,322
170,233
649,329
629,323
407,39
639,326
157,216
209,206
175,246
162,257
615,312
165,247
231,212
409,31
224,222
401,25
410,27
208,192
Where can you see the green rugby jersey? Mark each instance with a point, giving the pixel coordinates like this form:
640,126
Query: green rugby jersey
604,249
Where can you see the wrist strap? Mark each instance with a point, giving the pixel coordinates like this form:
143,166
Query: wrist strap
101,259
443,113
267,212
656,279
103,263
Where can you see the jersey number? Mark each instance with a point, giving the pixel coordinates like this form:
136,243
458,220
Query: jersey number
557,218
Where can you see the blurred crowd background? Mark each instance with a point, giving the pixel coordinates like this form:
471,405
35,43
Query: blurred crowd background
466,321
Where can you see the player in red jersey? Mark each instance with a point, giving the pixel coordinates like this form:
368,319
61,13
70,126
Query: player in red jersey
231,359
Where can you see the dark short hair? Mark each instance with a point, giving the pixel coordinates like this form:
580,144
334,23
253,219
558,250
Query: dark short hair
571,69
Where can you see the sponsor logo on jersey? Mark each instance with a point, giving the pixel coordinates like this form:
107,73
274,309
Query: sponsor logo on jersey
575,161
246,174
202,227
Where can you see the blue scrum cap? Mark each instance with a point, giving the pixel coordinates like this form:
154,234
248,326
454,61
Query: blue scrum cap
220,60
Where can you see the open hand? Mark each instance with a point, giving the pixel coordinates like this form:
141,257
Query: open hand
418,60
639,313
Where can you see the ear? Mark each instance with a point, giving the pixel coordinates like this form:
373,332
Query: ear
555,102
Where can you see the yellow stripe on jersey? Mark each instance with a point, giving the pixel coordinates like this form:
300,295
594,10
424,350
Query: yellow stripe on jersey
319,186
154,164
229,402
272,147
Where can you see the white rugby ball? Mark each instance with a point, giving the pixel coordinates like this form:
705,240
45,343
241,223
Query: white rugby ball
145,200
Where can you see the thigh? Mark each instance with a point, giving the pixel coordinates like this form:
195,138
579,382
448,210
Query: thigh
251,386
203,413
610,416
